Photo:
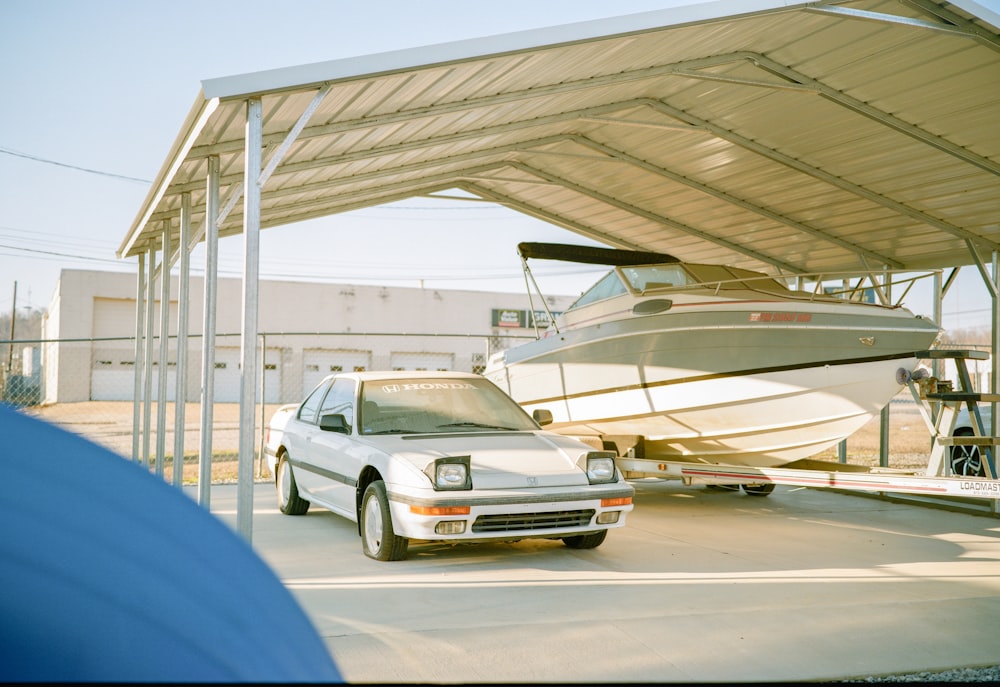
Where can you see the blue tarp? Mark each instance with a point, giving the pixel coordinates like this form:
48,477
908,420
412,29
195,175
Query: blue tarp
108,574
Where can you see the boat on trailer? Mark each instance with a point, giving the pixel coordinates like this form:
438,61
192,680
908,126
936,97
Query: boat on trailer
710,363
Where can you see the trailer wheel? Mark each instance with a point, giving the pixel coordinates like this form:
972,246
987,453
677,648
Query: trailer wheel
966,461
758,489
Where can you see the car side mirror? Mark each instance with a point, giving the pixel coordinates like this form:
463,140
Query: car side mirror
542,416
334,422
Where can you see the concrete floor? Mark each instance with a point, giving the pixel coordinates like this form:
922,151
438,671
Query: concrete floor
700,586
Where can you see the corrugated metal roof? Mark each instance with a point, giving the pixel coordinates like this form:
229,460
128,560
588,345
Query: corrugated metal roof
800,137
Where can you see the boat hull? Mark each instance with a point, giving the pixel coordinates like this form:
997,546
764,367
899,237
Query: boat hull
736,385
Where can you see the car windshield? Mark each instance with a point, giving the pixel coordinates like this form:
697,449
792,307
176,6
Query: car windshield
426,405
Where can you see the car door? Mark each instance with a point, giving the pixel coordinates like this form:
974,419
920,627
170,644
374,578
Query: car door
299,435
328,452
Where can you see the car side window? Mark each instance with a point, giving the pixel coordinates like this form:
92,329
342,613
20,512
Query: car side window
340,400
307,413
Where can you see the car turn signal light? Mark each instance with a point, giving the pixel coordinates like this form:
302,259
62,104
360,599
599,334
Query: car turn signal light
440,510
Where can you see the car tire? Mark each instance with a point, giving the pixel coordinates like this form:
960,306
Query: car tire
289,501
378,537
586,541
966,461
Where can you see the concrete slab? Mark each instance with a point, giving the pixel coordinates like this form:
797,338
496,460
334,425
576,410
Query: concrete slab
701,586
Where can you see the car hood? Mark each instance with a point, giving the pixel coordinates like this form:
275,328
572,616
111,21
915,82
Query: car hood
499,460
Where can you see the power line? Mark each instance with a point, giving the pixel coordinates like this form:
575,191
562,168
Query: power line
58,254
88,170
98,172
277,270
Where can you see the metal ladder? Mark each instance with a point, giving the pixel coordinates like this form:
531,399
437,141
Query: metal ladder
940,405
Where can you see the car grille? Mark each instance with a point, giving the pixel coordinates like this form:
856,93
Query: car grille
532,521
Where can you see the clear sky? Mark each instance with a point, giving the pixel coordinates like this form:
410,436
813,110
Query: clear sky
95,92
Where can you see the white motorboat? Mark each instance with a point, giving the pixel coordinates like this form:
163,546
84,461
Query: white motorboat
708,362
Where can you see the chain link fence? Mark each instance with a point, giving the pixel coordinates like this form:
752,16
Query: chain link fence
88,386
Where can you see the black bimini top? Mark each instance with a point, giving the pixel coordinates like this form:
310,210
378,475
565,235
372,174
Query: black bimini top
591,255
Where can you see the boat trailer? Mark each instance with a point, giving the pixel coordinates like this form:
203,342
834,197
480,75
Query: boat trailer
939,405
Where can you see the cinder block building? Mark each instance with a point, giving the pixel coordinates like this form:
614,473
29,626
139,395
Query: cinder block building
308,330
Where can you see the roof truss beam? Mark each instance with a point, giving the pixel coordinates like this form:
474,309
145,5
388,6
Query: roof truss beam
884,18
689,122
875,114
459,106
660,219
738,202
604,151
675,114
790,80
391,192
944,20
379,194
472,186
535,144
820,174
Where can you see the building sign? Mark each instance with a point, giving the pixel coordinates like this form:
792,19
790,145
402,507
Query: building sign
509,318
541,318
520,319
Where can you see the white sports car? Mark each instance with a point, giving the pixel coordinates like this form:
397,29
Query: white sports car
439,456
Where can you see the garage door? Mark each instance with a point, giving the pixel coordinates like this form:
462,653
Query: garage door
423,361
227,378
227,374
112,374
317,363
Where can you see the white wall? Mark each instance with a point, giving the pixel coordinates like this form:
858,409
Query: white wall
95,304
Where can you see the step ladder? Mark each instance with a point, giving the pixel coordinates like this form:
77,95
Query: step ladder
940,405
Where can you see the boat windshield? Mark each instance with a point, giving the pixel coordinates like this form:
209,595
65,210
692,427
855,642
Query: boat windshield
650,277
642,279
725,278
645,278
609,285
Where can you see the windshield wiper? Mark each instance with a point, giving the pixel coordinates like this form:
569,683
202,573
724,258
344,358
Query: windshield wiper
479,425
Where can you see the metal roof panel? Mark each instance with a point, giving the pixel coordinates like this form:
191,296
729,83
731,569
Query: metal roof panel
768,135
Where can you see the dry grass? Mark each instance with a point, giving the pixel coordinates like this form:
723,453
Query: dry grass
109,423
909,440
225,469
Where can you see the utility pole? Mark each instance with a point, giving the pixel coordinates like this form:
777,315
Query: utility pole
10,346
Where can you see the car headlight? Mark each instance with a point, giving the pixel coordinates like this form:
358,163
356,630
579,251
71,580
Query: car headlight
600,467
451,473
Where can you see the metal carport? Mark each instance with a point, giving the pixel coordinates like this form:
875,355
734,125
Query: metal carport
790,137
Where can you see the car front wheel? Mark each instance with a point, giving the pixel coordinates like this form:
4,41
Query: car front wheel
586,541
378,538
289,501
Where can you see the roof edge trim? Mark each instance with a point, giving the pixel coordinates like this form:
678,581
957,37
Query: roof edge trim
193,124
474,48
980,10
